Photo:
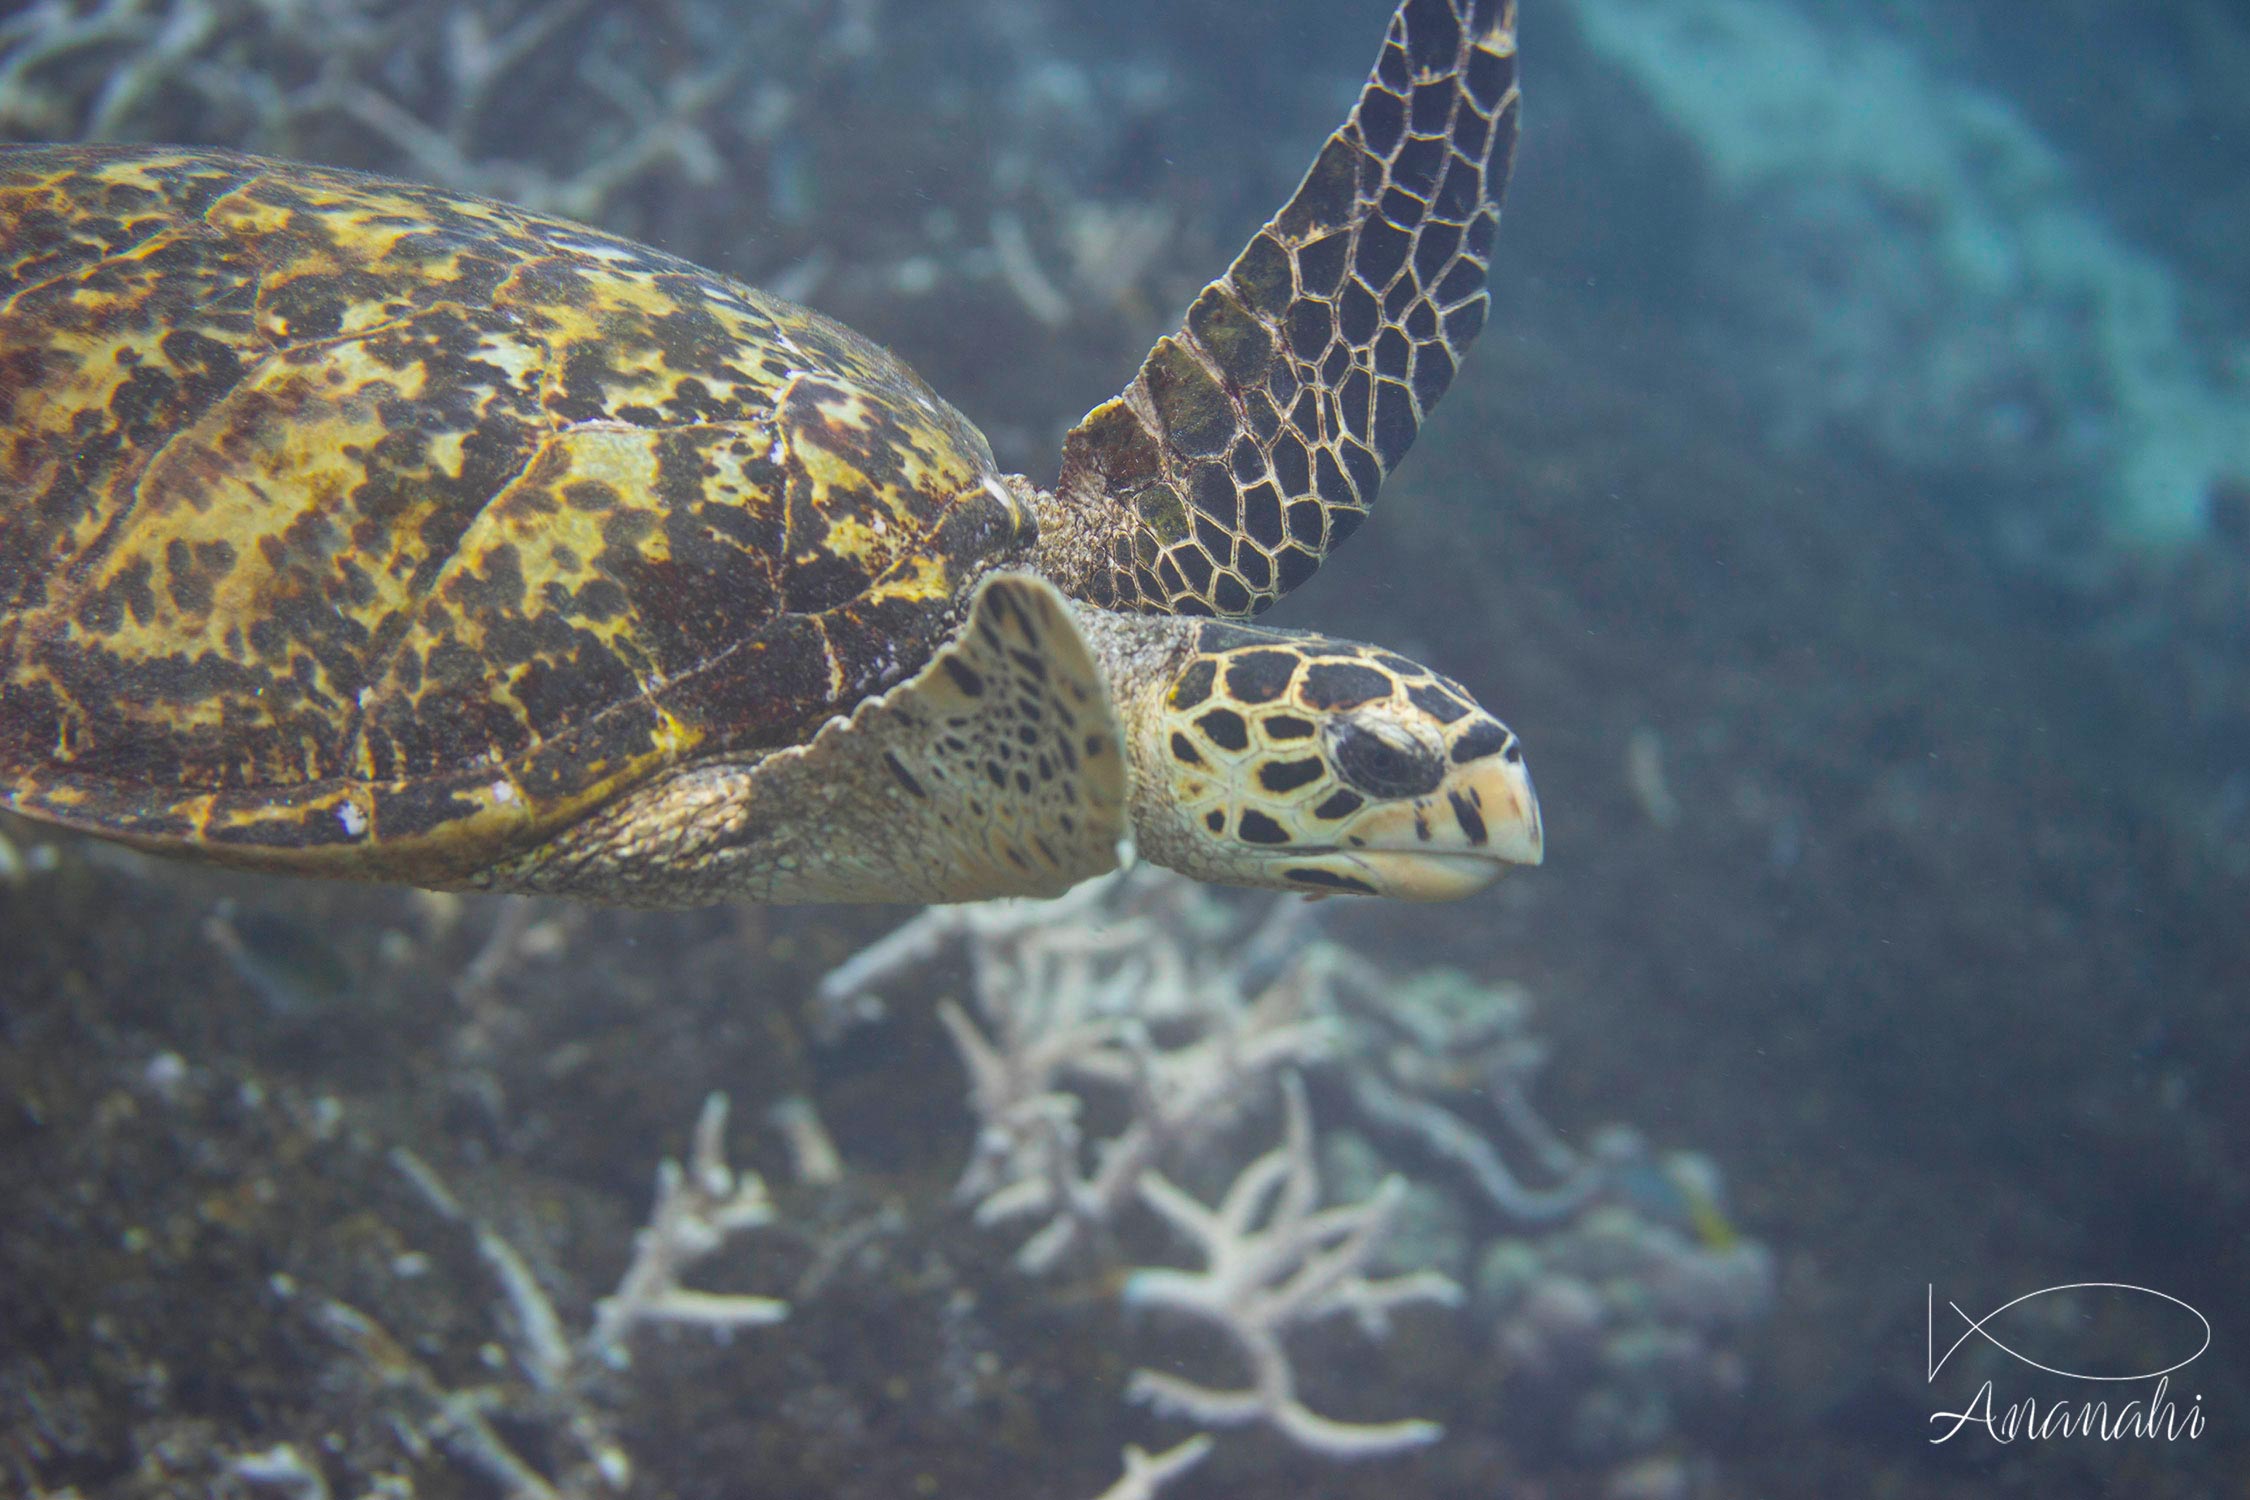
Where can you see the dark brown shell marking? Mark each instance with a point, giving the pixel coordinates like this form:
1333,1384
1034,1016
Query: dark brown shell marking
356,525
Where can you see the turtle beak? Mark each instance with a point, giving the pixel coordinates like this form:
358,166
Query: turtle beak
1452,843
1501,791
1462,837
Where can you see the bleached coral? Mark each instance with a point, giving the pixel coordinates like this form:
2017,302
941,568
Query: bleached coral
1147,1473
426,90
1274,1259
698,1208
1071,991
1160,1009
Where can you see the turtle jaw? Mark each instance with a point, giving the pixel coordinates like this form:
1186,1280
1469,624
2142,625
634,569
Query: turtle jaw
1400,874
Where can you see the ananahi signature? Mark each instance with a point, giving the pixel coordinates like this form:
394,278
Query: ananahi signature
2155,1416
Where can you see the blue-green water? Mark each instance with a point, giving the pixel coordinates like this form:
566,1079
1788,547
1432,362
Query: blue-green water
1849,503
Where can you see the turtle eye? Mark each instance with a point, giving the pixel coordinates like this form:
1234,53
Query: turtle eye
1384,763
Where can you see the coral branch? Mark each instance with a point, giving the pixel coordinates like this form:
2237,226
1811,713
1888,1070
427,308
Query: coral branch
1145,1473
1273,1261
697,1209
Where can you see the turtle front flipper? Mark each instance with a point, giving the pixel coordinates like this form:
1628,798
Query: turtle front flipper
1253,441
997,770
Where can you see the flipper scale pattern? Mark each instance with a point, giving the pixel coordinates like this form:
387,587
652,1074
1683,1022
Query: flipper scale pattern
1255,438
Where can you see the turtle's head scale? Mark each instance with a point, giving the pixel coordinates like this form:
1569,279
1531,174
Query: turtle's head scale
1298,762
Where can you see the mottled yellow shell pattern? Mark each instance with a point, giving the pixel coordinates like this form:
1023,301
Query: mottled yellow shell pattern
358,528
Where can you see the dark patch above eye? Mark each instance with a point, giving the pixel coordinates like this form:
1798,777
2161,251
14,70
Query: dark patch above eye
1288,775
1184,749
1256,828
1225,729
1215,820
1287,727
1260,676
1436,702
1330,880
1381,768
1483,739
1340,804
1195,684
1341,684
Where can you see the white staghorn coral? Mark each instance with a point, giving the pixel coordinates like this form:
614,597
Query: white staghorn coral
1070,992
697,1210
1147,1473
1274,1260
1162,1012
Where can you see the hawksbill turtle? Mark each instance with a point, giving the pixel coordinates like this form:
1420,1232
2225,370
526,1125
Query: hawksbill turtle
353,528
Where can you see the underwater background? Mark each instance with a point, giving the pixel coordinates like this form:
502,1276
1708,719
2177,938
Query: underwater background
1849,503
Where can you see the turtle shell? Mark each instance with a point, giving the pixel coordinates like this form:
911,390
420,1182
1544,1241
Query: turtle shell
353,527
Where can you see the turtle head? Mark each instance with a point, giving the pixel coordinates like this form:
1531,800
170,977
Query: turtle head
1302,763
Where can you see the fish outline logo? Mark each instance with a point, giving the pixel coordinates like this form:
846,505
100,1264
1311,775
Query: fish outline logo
1980,1328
